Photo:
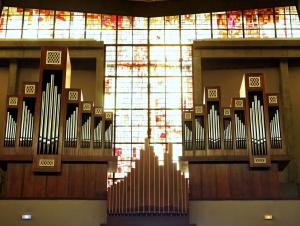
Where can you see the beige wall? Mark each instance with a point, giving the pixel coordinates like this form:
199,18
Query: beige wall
3,93
295,101
203,213
244,213
230,81
53,212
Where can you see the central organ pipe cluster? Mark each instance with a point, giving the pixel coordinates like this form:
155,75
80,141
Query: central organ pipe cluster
50,117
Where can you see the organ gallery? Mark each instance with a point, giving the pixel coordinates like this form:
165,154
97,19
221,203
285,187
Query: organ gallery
179,119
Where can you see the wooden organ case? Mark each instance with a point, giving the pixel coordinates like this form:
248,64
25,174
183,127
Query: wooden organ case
235,152
53,139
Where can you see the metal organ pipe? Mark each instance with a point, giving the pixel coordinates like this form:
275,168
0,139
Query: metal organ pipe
50,119
257,127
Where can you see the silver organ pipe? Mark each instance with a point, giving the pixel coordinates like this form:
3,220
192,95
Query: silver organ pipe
188,134
199,133
228,144
257,127
26,133
214,128
50,119
97,133
240,131
86,131
275,133
108,135
71,129
10,129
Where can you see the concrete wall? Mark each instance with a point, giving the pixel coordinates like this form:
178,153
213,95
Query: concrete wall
244,213
53,212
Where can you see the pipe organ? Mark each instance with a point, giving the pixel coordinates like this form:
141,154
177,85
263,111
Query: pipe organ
251,126
49,122
150,188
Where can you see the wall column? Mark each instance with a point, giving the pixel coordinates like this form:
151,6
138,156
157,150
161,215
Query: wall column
12,78
287,114
197,77
99,87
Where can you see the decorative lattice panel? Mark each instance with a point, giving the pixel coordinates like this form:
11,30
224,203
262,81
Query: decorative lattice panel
98,111
227,112
29,89
73,95
188,115
238,103
199,109
53,57
47,162
108,115
273,100
212,93
87,107
254,82
13,101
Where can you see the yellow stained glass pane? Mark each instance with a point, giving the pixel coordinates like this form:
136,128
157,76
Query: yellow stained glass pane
93,21
156,22
188,21
140,22
203,21
172,22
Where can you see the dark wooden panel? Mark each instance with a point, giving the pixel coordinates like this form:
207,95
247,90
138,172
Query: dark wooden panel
233,181
209,181
236,181
76,177
89,180
14,181
62,182
52,186
101,181
195,181
34,184
222,182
